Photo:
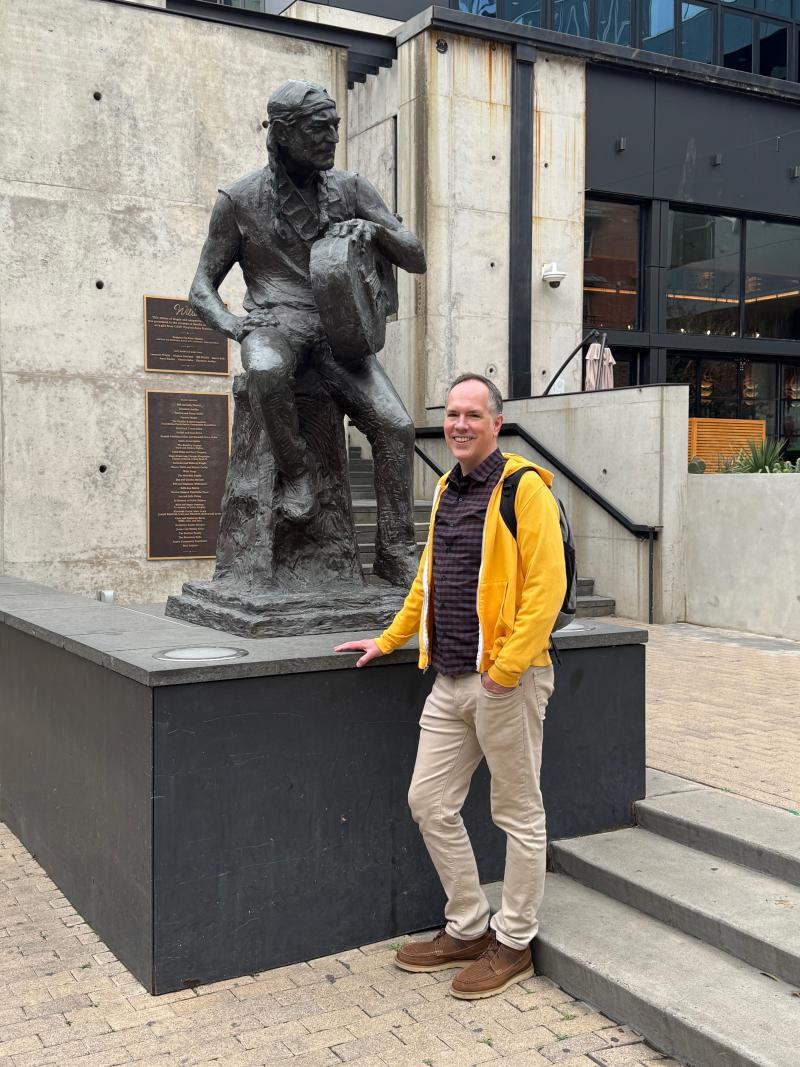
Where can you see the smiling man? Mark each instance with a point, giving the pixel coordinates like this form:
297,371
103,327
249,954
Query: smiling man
484,604
267,222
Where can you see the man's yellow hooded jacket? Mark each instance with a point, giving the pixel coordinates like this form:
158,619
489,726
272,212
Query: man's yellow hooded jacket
521,584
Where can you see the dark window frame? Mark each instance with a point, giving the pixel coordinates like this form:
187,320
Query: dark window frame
635,337
719,8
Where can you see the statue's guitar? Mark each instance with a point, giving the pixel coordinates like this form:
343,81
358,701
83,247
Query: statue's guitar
355,289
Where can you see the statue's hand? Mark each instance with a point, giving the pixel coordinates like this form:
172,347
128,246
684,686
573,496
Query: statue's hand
254,321
358,228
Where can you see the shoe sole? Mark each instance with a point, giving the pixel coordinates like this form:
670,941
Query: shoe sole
423,968
481,994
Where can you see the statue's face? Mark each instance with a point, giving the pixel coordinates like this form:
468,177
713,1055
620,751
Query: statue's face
311,141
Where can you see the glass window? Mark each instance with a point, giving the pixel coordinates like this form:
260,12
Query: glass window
683,371
741,3
614,21
757,388
611,265
697,32
717,394
478,7
773,45
703,276
737,42
571,16
772,280
790,399
775,7
525,12
658,26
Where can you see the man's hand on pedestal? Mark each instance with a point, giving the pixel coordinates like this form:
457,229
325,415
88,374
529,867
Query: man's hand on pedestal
368,646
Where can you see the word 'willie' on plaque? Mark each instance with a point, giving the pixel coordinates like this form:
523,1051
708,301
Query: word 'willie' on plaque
187,460
176,340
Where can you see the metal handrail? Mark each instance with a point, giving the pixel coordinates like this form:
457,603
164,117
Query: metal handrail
640,530
590,336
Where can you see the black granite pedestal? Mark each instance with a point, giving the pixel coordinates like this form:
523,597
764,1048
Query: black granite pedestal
216,818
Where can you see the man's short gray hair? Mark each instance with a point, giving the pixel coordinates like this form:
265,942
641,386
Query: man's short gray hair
495,399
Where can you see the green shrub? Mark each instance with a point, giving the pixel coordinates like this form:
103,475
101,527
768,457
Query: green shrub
759,457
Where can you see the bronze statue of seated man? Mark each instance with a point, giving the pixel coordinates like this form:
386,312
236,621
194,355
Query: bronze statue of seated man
267,222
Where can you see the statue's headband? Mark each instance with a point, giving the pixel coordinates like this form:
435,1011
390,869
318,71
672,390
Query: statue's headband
296,99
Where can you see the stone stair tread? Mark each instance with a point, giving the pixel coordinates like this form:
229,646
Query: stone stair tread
731,827
748,914
689,999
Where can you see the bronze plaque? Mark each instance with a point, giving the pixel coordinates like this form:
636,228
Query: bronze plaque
177,341
187,460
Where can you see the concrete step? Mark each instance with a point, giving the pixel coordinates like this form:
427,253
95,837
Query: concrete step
365,532
730,827
365,510
690,1000
591,606
585,586
747,914
366,553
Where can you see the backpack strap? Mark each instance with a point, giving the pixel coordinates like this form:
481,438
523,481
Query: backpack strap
508,497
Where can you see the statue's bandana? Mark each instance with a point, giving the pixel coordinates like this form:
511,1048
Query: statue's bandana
306,212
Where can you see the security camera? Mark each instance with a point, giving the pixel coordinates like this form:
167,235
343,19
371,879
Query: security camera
552,275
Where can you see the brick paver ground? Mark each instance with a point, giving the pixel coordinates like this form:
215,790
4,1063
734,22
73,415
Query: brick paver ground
65,999
721,710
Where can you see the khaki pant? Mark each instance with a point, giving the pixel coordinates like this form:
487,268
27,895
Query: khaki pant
460,724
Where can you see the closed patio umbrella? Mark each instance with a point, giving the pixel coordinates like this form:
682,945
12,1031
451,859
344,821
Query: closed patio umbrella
607,370
592,361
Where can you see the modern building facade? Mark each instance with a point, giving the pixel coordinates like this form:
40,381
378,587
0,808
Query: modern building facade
665,189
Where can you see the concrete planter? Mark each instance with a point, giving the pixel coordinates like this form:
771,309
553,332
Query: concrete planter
742,564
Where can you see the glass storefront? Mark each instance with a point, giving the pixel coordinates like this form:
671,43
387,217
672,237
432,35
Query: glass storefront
611,265
702,280
729,388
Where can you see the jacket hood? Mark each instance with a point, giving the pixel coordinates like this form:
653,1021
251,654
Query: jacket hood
514,462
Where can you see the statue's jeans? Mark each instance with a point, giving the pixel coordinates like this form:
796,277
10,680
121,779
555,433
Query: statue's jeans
274,355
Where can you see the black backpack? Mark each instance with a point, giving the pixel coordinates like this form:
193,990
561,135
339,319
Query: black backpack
509,515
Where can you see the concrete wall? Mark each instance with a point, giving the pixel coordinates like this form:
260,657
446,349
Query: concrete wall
742,570
642,472
337,16
453,113
117,190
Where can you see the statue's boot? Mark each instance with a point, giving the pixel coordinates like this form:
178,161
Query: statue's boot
299,501
398,565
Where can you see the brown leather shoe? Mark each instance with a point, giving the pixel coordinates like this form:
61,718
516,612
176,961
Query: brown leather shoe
497,969
441,953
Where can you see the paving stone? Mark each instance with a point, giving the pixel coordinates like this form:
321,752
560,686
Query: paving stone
626,1056
332,1020
368,1045
559,1051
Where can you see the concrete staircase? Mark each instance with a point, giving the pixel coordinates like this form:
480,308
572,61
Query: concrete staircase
685,927
590,604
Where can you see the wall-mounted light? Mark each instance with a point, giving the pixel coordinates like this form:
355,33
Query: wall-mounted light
716,159
620,144
794,172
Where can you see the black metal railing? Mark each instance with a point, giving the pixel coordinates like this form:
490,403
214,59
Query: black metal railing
641,531
592,335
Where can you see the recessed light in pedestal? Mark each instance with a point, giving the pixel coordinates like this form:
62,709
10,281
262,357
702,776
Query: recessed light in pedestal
200,653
